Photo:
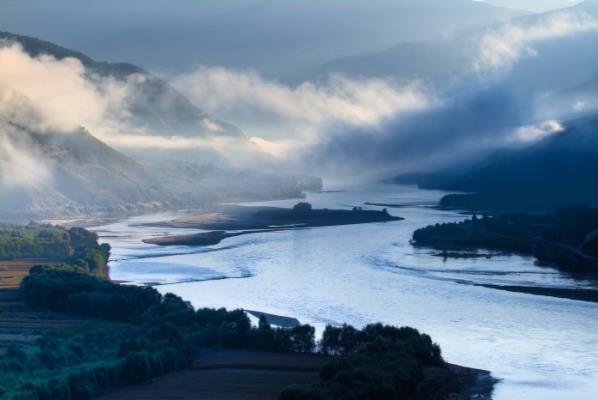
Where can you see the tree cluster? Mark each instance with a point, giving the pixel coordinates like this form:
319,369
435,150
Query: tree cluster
378,362
140,334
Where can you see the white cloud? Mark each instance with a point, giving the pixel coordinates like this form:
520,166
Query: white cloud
277,116
60,96
19,168
537,132
502,48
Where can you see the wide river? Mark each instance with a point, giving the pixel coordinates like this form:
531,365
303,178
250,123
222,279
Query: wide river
540,347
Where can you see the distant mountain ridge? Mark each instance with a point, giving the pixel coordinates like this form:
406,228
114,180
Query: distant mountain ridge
273,37
557,171
448,58
154,105
83,175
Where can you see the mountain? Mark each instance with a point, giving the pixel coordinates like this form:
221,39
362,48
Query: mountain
437,62
557,171
46,173
80,175
152,104
581,99
544,65
274,37
77,174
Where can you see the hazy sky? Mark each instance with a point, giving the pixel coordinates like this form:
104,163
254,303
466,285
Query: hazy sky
232,63
275,37
533,5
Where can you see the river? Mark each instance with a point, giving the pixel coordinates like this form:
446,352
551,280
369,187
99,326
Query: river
540,347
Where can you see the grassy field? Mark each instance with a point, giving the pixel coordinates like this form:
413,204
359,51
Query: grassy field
230,375
13,272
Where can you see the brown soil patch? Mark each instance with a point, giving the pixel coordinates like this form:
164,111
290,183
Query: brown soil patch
230,375
13,272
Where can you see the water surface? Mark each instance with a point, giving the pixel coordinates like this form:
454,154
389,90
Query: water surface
541,347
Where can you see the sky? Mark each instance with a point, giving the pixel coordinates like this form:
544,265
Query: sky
534,5
362,122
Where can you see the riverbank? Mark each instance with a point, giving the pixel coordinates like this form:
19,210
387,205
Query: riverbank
237,218
590,295
236,374
566,239
201,239
370,272
218,374
230,221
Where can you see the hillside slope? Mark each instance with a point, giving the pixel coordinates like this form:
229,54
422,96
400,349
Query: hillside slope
152,104
557,171
76,173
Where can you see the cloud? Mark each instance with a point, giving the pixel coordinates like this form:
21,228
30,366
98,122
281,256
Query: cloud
467,124
369,127
19,167
61,97
44,94
341,124
278,116
501,48
533,133
222,145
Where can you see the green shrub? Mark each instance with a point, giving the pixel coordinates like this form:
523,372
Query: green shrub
136,368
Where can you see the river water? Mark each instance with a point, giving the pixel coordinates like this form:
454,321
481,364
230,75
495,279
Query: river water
540,347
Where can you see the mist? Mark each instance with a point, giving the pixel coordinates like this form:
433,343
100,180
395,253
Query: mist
180,130
277,38
375,127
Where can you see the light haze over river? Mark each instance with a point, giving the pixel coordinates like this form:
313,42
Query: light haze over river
541,347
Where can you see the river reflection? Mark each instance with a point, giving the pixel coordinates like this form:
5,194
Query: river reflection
541,347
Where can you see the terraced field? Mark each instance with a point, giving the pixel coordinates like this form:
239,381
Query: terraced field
230,375
13,272
20,325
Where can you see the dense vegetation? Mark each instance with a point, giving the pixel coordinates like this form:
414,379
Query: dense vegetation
140,335
33,241
76,246
136,334
378,362
558,171
567,238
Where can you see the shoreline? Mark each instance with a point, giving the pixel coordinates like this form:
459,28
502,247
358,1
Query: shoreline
230,221
204,238
587,295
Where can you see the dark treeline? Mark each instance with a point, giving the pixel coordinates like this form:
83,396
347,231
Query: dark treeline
378,362
567,238
75,246
140,334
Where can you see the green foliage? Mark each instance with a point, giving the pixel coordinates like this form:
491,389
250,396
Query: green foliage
66,290
377,362
143,335
33,241
302,208
568,238
136,368
76,246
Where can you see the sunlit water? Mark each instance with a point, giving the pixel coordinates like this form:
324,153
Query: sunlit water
541,347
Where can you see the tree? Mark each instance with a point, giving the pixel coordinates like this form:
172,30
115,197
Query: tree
302,208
